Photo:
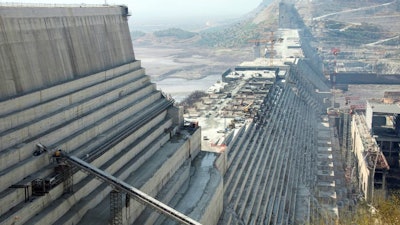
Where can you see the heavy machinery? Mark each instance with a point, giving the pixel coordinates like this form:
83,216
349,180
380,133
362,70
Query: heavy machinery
247,108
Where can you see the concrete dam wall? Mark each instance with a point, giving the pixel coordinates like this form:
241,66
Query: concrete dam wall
38,51
70,82
366,78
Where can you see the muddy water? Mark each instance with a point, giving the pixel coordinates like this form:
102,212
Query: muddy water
179,88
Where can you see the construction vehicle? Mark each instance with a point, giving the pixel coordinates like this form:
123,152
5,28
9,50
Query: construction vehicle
232,124
247,108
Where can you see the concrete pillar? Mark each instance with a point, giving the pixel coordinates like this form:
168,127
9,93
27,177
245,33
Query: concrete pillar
384,188
369,196
176,113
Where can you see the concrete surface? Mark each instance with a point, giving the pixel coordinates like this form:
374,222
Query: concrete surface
95,100
42,46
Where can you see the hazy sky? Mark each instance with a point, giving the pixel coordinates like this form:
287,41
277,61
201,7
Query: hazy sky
186,8
143,10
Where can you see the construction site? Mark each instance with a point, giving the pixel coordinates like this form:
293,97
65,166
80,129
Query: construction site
86,138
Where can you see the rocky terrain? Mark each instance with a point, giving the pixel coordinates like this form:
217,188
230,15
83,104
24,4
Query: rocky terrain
186,54
366,33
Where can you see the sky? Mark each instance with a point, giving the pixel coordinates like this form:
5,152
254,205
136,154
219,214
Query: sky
165,10
187,8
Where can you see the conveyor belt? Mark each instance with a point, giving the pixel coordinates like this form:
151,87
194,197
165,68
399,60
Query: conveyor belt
131,191
139,122
99,150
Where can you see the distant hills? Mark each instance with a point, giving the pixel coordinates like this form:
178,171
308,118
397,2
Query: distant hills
174,32
230,35
348,22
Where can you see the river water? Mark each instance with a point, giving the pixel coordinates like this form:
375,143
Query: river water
179,88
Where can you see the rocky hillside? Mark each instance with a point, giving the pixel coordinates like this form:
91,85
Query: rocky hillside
364,31
235,34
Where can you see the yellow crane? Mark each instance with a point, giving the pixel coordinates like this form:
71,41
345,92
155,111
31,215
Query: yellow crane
247,107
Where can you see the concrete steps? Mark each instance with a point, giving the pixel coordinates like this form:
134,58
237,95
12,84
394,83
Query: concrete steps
138,164
15,196
230,174
234,149
328,178
27,132
318,81
42,201
299,201
237,214
252,208
239,168
201,197
70,121
274,182
118,85
237,141
283,175
279,166
121,166
25,102
244,183
101,117
87,127
272,162
247,199
173,190
154,175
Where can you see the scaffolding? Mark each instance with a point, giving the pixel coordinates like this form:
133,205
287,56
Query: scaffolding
373,158
345,129
68,178
115,207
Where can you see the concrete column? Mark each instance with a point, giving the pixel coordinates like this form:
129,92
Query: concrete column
384,188
369,196
176,113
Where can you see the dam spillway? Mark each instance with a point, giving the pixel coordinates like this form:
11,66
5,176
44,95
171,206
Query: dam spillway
71,82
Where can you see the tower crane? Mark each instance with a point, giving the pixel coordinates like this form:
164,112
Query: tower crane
271,41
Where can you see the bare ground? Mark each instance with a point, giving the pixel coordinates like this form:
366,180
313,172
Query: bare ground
173,60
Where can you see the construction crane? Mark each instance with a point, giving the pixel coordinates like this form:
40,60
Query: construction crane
335,52
246,109
271,41
257,44
271,54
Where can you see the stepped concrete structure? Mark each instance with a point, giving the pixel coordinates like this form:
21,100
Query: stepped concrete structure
70,83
